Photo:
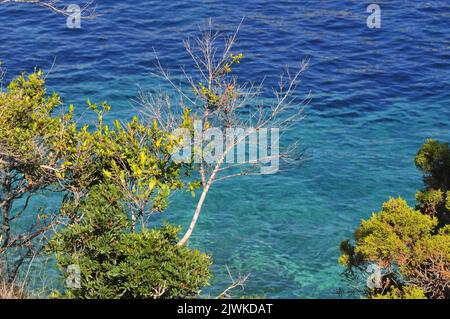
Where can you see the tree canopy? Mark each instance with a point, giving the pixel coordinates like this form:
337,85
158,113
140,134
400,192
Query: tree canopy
412,246
109,179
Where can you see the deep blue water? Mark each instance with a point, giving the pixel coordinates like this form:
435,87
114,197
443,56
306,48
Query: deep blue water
377,95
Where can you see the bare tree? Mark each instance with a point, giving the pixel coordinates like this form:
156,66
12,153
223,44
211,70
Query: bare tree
87,11
218,99
236,283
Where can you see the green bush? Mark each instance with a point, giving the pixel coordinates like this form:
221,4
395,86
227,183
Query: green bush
111,178
118,263
433,159
408,245
412,246
408,292
28,129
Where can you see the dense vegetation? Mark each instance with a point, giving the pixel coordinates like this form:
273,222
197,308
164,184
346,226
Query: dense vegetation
84,192
410,245
118,263
108,181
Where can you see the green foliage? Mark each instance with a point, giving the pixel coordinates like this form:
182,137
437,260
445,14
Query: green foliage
387,237
408,292
26,110
433,159
117,263
390,234
135,156
27,127
40,151
407,244
430,202
223,91
27,133
447,200
413,246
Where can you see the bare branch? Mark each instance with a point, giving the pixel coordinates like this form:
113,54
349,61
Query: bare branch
239,282
218,99
88,11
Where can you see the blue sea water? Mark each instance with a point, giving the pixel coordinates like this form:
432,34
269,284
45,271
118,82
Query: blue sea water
377,95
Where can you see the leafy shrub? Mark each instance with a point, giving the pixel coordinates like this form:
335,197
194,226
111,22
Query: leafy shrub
433,159
411,245
27,135
408,292
118,263
408,245
42,152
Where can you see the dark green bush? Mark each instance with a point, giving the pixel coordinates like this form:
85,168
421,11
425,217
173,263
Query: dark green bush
433,159
118,263
411,245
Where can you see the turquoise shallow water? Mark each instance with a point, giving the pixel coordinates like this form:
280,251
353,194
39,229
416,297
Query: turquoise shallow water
377,94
